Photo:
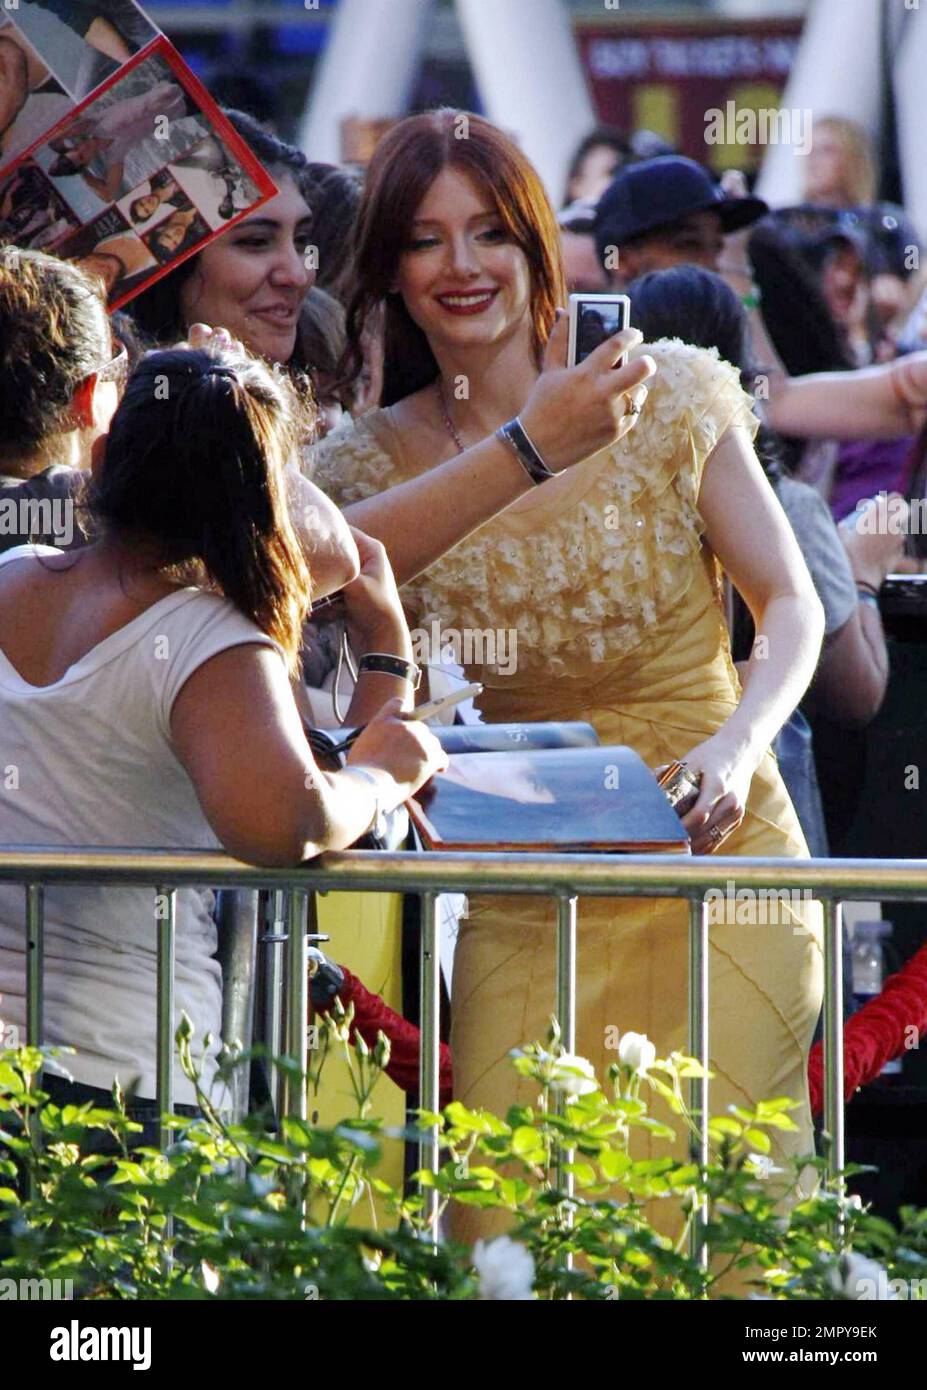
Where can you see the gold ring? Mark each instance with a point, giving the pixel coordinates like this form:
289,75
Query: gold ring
716,833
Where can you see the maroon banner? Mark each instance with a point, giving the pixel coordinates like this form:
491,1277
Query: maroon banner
667,76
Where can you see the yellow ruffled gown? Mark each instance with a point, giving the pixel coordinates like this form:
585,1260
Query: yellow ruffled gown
615,605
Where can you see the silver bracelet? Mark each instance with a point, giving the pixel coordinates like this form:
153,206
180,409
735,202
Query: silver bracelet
514,434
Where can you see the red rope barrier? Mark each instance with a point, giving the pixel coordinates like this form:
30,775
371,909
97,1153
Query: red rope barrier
882,1029
373,1015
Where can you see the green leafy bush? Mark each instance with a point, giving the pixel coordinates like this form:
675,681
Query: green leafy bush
236,1211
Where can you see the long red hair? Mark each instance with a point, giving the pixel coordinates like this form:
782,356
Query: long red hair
405,164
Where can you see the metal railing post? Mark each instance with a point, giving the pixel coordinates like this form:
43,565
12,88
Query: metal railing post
429,1055
295,1100
566,1019
698,1048
566,972
35,965
165,921
833,1045
271,1030
35,995
237,922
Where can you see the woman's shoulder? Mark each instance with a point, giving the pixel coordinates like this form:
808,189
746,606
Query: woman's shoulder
686,370
357,459
193,623
695,393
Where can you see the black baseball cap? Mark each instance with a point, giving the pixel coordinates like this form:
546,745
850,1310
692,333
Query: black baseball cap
657,192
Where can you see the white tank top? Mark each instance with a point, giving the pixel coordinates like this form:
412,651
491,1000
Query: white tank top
88,761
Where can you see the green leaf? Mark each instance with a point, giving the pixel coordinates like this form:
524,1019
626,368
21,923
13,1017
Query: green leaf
584,1173
514,1192
723,1124
613,1163
780,1122
526,1143
10,1080
196,1223
758,1139
471,1121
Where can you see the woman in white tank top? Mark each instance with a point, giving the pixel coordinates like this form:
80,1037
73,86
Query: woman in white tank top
145,700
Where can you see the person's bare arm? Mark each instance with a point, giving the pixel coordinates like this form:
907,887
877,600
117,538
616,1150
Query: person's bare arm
852,676
849,684
376,623
330,549
738,505
456,497
882,402
106,39
236,730
570,415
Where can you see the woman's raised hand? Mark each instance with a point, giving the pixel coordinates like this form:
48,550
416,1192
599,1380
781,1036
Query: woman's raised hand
573,412
201,337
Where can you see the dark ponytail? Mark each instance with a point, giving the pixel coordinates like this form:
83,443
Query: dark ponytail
194,461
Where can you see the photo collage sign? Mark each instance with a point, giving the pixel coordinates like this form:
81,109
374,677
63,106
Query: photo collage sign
112,154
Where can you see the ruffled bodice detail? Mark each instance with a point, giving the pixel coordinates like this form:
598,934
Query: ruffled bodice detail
589,575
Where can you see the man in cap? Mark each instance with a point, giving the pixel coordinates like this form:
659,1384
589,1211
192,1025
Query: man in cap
665,212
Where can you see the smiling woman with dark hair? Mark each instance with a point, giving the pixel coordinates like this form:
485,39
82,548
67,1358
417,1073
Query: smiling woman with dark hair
252,280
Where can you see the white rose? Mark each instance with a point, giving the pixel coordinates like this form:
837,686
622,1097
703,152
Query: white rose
635,1050
573,1075
505,1269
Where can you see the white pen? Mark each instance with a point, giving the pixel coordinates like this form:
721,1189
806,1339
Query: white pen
434,707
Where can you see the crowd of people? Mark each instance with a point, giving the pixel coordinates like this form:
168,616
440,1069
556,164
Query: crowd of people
679,547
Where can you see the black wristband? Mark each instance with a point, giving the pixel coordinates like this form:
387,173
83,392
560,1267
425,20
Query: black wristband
513,434
385,665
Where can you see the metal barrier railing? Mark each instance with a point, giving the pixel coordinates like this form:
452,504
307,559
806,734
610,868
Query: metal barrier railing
564,877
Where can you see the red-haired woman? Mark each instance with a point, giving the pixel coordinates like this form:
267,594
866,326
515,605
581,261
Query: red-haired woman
608,577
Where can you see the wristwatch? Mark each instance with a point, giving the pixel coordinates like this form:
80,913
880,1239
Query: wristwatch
379,825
